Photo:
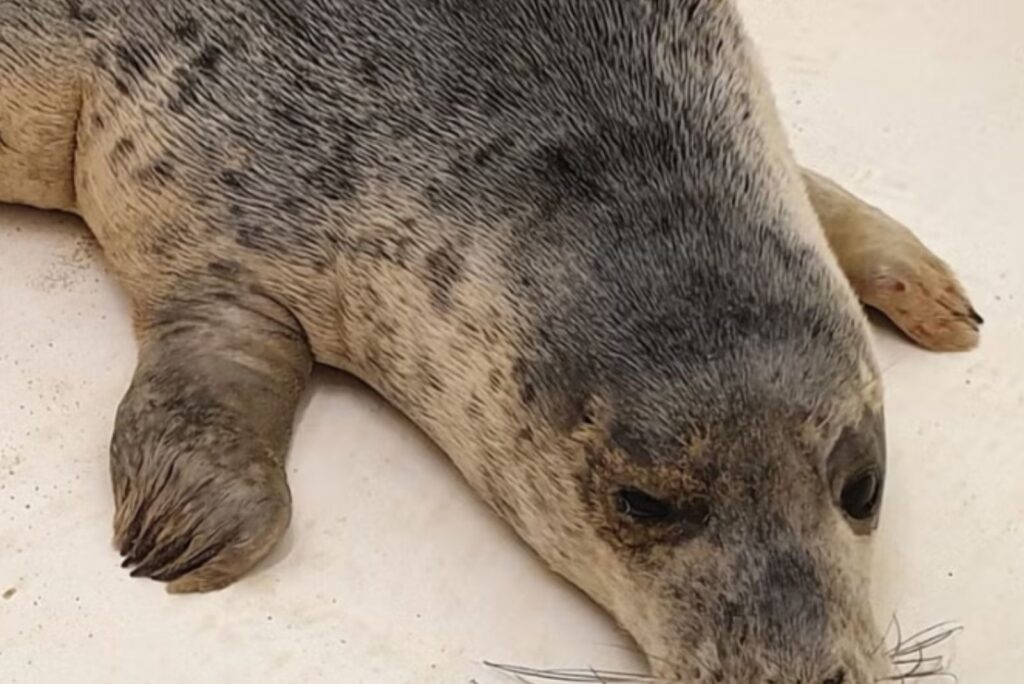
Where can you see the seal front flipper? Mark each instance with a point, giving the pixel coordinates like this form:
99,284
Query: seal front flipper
198,453
892,271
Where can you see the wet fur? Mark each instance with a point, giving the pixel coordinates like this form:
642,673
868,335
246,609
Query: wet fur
566,238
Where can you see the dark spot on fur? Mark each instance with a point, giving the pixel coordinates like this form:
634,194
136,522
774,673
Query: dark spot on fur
459,95
229,270
97,122
528,393
499,97
475,408
570,170
473,161
284,19
310,85
368,72
157,173
373,297
121,86
122,148
231,179
444,271
691,10
134,60
487,152
187,82
186,30
373,246
289,115
495,380
384,329
393,249
292,205
77,13
435,196
430,377
254,237
400,252
335,178
209,59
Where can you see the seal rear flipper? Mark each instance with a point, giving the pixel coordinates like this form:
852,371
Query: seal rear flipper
198,453
892,271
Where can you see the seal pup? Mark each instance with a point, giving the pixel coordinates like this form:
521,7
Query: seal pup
567,239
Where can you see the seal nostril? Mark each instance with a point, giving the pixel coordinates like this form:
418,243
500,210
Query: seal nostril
837,678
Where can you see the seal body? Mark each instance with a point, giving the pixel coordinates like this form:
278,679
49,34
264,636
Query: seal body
565,238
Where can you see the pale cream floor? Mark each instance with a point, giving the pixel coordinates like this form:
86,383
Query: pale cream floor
393,572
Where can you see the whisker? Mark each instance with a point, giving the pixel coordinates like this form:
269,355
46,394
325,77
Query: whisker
899,633
885,635
917,670
918,641
919,661
935,640
921,675
909,658
592,675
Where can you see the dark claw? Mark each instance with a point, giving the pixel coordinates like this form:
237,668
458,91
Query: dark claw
976,317
193,563
132,533
144,544
162,557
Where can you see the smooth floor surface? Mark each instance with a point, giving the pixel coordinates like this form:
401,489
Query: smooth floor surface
392,571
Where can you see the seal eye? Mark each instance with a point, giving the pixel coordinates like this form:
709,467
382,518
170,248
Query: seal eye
861,494
691,516
643,507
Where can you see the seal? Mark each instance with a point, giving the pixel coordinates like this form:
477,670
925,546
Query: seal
567,239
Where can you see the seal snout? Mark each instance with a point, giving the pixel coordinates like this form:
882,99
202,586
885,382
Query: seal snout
778,612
